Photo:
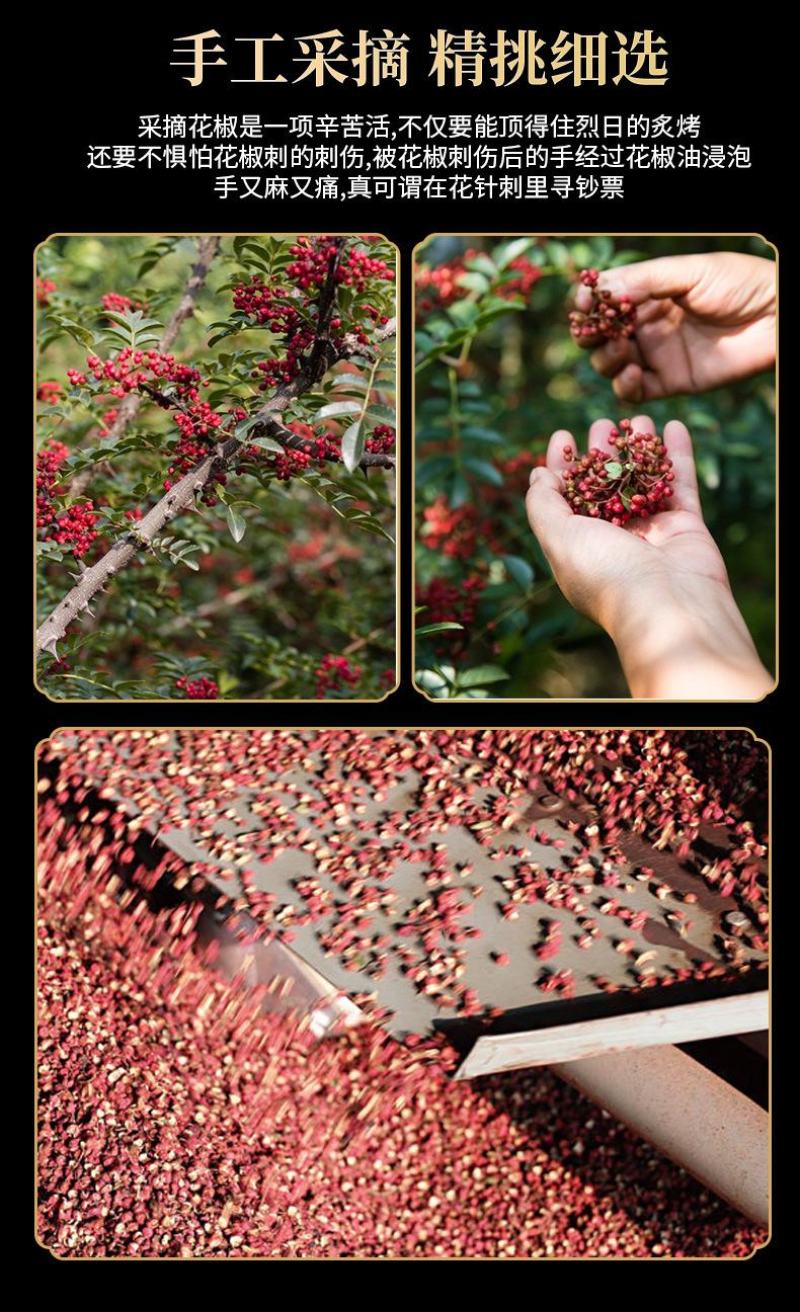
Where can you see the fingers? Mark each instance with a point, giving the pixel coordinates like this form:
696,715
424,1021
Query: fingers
613,355
678,442
560,442
563,441
634,384
548,513
583,298
599,435
670,275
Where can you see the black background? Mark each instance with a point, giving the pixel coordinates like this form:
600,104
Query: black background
92,71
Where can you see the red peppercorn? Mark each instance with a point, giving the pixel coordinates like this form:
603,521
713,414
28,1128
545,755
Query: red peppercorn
608,317
633,482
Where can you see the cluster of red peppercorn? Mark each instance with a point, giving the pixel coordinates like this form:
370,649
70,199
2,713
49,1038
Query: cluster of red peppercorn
288,310
129,368
108,418
334,673
455,530
356,268
44,289
187,453
118,303
318,448
315,448
608,316
49,392
197,422
75,528
443,601
177,1119
633,482
48,460
439,287
381,440
202,689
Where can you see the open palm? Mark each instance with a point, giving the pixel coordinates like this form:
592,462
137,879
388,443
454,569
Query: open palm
593,560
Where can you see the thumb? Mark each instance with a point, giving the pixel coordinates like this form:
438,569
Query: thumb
548,512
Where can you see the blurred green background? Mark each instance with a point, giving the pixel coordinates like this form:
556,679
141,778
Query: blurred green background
531,379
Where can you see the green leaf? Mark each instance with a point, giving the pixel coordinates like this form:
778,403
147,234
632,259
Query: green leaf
602,248
236,524
463,313
512,251
481,263
558,254
613,469
520,571
495,307
708,469
241,430
459,491
338,408
484,471
76,330
481,674
431,681
353,446
474,282
474,433
268,444
433,469
437,628
382,413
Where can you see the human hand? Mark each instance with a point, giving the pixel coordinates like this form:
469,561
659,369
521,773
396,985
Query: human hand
659,586
701,321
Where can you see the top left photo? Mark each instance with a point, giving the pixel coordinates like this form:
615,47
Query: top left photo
215,438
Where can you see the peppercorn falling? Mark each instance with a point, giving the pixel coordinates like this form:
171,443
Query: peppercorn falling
178,1120
397,864
633,482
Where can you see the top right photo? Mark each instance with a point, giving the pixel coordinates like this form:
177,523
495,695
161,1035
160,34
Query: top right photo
595,486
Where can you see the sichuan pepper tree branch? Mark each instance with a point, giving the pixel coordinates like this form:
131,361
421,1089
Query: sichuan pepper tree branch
181,495
207,251
265,421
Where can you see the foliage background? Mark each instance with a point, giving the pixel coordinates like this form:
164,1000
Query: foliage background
523,378
308,577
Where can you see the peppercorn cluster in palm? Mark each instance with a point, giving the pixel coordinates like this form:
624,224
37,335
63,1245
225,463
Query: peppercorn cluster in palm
633,481
609,316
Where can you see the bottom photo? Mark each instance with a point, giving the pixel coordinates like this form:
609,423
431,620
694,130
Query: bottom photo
403,993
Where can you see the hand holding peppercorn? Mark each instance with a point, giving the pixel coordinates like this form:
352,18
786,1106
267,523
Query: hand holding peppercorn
700,322
658,585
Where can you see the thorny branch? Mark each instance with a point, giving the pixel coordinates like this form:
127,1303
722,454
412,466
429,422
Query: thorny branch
181,495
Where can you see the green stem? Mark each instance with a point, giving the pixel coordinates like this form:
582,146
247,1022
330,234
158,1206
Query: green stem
454,417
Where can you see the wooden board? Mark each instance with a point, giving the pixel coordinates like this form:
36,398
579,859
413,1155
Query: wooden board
661,1025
